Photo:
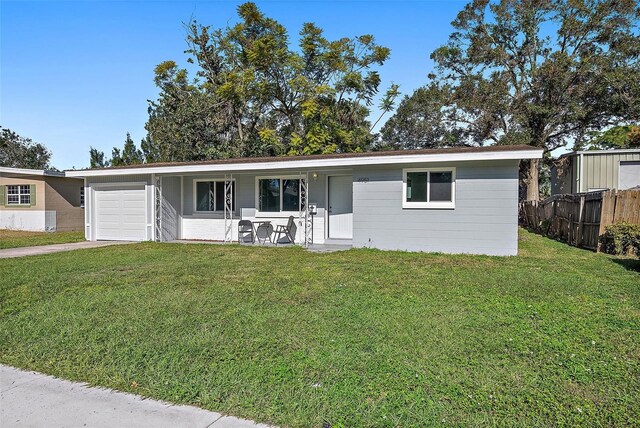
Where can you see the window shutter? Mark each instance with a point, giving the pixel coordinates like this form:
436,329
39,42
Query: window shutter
32,192
3,192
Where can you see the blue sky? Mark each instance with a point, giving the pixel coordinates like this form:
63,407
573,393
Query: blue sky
75,74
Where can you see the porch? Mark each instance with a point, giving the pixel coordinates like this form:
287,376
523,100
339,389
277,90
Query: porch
329,245
210,207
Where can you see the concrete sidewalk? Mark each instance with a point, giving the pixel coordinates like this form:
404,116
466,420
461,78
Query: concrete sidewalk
30,399
55,248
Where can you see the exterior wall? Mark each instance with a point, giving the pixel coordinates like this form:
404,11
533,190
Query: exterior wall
563,179
29,180
94,182
62,196
601,170
30,218
170,208
484,220
210,226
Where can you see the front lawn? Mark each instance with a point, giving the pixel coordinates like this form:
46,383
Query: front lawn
356,338
19,238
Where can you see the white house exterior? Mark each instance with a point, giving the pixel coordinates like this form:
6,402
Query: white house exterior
461,200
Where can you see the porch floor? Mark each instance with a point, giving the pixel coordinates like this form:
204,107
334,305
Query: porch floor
330,245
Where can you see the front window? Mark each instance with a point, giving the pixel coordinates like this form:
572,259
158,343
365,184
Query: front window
210,196
278,195
429,188
19,194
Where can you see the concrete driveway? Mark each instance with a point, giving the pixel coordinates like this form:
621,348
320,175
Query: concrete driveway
55,248
30,399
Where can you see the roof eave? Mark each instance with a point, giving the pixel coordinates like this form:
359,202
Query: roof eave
36,172
315,163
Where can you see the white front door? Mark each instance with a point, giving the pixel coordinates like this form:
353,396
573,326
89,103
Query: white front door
120,213
341,207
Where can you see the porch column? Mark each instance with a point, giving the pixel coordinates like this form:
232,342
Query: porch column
304,219
158,208
228,207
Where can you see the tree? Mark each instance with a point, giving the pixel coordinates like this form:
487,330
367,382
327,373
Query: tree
96,159
537,72
21,152
421,121
617,137
130,155
255,94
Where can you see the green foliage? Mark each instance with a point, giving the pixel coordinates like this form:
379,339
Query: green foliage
256,94
621,238
359,338
130,154
528,72
617,137
96,159
21,152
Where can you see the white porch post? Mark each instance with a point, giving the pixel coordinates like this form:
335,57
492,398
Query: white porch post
228,208
158,208
303,215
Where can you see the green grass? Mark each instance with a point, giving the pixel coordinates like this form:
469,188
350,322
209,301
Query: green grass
18,238
356,338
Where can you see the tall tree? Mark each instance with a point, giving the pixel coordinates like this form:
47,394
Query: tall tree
617,137
129,155
256,94
538,72
96,158
21,152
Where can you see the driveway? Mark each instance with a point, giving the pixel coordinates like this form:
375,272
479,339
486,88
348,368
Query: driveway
56,248
30,399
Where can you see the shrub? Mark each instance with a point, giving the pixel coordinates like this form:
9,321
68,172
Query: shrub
621,238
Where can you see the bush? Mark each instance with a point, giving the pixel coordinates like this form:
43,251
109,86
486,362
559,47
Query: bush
621,238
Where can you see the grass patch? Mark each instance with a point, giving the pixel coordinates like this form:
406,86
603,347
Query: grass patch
356,338
20,238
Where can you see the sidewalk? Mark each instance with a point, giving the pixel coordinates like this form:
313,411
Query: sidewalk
30,399
55,248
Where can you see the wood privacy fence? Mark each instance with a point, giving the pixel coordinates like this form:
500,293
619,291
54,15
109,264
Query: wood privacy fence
579,219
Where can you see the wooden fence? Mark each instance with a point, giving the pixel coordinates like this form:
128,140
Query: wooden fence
579,219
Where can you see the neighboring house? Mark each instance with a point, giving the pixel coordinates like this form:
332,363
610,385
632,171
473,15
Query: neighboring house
39,200
593,170
458,200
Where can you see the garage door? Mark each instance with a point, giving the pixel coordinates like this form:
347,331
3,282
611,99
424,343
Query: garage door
629,175
120,214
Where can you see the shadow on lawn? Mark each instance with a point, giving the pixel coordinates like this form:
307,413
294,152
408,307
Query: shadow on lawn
629,264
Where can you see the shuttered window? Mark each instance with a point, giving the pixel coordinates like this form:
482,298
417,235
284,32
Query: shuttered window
19,194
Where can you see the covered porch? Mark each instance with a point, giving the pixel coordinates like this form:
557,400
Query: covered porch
218,206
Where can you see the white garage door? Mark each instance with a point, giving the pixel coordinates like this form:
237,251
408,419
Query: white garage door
120,213
629,175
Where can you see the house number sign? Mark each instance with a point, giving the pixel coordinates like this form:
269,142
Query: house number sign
363,179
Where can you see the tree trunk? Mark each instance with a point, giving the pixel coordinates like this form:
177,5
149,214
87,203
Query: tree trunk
533,193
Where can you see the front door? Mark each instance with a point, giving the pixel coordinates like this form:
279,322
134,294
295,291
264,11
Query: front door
341,207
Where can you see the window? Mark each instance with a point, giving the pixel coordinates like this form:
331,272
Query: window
19,194
429,188
81,196
278,195
209,196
